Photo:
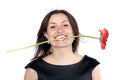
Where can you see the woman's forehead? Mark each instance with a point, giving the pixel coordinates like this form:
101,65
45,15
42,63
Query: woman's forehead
58,17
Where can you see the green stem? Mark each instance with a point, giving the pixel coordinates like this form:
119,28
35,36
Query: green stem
86,36
37,44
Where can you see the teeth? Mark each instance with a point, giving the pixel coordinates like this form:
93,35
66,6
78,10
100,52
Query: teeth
60,37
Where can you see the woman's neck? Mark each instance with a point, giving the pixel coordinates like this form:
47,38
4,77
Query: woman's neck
62,56
62,52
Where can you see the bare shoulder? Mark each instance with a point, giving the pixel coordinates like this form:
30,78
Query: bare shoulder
30,74
96,73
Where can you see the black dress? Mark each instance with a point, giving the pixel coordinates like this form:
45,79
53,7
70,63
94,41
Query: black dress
78,71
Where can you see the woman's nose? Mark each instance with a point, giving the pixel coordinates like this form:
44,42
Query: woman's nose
60,29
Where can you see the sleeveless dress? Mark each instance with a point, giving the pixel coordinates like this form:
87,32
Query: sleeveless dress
78,71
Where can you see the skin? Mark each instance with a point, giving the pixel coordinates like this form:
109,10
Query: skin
59,25
30,74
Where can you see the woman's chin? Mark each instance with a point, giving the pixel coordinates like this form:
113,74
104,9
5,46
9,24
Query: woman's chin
62,43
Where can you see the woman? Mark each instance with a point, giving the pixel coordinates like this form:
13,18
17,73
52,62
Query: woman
58,60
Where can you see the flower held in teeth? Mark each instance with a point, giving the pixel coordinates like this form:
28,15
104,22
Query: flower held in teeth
60,38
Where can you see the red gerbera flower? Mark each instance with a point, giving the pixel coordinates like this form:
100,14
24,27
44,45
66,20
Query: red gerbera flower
104,35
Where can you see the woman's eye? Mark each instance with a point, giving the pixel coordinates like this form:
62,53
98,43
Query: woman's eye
65,24
52,26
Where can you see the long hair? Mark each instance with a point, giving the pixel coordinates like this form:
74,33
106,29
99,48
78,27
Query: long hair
44,49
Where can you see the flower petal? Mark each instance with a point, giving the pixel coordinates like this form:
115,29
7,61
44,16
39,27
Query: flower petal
104,34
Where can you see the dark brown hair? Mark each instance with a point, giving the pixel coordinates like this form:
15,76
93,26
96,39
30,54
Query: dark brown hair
44,49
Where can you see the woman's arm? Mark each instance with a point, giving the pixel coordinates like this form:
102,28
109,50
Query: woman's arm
30,74
96,75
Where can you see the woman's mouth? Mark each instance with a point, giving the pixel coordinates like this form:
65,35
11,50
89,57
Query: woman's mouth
60,37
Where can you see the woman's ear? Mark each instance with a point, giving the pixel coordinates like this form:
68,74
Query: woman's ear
46,35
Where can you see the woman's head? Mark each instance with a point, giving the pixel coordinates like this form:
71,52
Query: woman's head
48,24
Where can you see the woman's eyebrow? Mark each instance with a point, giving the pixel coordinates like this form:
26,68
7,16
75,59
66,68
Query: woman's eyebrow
51,23
55,23
65,21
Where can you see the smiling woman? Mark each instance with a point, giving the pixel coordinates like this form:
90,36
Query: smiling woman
59,28
59,59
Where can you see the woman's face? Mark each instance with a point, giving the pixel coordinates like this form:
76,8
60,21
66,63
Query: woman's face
59,26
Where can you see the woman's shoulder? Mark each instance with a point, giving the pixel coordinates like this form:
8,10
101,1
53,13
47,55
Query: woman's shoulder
91,60
33,63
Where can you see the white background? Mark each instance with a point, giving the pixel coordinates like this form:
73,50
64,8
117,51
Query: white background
20,21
